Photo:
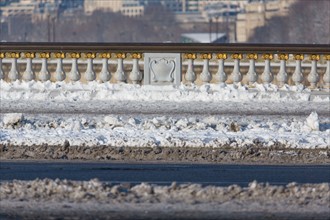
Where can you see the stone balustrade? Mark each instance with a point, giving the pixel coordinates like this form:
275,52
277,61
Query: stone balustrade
163,64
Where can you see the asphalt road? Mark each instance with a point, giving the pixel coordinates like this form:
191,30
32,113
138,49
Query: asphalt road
134,173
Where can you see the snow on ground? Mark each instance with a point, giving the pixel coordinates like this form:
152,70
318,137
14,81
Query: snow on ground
133,115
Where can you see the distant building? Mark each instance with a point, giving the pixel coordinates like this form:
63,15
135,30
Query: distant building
129,8
203,38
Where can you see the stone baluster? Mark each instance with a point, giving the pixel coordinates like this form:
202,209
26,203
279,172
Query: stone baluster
120,74
2,75
190,75
74,73
297,76
105,75
44,74
90,74
236,75
221,76
267,76
251,74
282,76
59,72
326,76
28,74
13,73
313,76
135,75
206,76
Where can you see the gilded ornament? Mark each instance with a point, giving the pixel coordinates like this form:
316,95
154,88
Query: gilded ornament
136,55
105,55
206,56
299,56
2,55
29,55
283,56
267,56
121,55
236,56
314,57
222,56
252,56
44,55
59,55
327,57
90,55
190,56
75,55
13,55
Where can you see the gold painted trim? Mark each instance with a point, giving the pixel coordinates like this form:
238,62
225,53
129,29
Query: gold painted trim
90,55
299,56
221,56
267,56
283,56
13,55
75,55
2,55
327,57
60,55
252,56
121,55
314,57
206,56
105,55
29,55
190,56
44,55
236,56
136,55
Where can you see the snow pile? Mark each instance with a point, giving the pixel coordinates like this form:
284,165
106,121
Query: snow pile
165,131
12,119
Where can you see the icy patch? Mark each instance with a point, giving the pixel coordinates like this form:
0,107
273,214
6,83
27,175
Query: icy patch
312,122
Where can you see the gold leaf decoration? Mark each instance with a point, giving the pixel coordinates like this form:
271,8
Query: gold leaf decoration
44,55
206,56
314,57
252,56
105,55
221,56
283,56
60,55
236,56
267,56
136,55
75,55
190,56
2,55
121,55
299,56
29,55
327,57
13,55
90,55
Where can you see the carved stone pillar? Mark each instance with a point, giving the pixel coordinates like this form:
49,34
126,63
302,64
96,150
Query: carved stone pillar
135,75
74,73
206,76
236,75
13,73
120,74
105,75
44,74
282,76
297,76
313,76
190,75
2,75
251,74
28,74
90,74
267,76
59,72
326,76
221,76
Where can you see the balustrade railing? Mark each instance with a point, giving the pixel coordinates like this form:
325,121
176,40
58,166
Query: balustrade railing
163,64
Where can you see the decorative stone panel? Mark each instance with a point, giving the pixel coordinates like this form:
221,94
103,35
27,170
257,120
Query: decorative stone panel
162,68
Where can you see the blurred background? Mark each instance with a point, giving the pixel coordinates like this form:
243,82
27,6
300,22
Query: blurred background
199,21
